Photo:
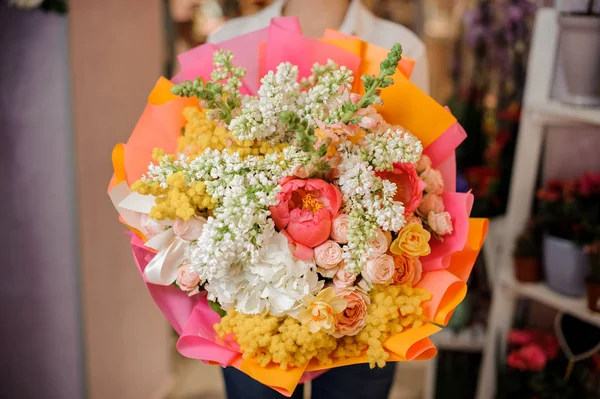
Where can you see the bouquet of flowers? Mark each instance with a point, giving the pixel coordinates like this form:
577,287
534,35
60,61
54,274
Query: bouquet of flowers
293,219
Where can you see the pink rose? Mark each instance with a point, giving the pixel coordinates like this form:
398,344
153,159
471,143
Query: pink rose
423,164
379,270
354,317
305,212
441,223
434,183
339,228
150,227
189,230
343,279
409,186
379,245
188,280
431,203
328,255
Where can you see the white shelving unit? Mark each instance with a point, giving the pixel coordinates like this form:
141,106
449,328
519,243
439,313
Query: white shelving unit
539,112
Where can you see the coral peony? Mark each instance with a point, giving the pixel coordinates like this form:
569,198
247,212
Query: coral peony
409,186
305,212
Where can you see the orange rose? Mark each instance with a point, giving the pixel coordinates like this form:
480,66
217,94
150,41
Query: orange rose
354,317
413,240
408,270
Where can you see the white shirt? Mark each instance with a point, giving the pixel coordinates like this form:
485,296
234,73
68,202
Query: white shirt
359,21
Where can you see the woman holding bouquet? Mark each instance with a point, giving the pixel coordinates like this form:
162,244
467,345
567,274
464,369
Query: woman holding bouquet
349,17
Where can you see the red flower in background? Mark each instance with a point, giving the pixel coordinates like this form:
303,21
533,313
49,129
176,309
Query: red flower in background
527,358
533,349
589,184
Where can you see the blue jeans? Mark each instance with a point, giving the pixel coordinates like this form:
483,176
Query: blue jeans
356,382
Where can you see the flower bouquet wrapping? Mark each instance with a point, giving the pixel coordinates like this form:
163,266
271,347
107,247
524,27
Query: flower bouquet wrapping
293,218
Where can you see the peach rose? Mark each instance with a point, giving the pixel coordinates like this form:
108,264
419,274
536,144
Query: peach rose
328,255
189,230
354,317
433,180
379,270
188,280
343,279
379,245
339,228
441,223
388,237
408,270
423,164
150,227
414,219
413,240
431,203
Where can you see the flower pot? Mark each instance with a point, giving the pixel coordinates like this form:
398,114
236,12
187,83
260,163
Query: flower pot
579,58
593,296
565,266
527,269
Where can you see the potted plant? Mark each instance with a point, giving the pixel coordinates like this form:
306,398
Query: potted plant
593,282
534,367
579,54
526,257
569,214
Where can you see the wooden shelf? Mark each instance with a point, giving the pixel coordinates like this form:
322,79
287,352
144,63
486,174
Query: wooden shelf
557,111
540,292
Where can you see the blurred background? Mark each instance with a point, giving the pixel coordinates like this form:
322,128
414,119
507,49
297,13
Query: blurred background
522,77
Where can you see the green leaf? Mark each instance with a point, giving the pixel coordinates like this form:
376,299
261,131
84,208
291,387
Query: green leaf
217,308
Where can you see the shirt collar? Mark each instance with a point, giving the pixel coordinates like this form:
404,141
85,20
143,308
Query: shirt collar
358,20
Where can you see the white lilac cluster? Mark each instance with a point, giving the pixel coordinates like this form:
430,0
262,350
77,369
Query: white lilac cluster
370,204
319,97
328,85
165,168
259,119
224,70
244,189
393,145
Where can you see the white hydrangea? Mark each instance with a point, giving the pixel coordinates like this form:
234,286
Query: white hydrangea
276,283
384,149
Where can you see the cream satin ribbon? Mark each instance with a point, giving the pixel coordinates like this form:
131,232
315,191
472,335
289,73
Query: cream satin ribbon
132,207
170,249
